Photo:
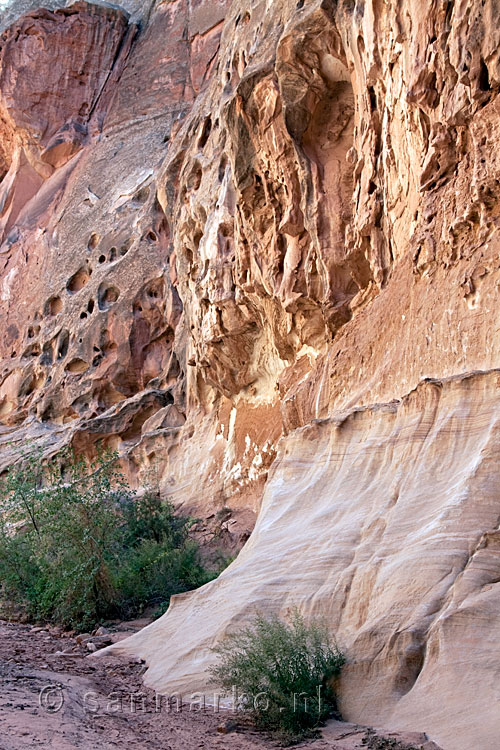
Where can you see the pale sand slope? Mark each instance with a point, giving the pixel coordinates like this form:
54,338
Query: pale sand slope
385,521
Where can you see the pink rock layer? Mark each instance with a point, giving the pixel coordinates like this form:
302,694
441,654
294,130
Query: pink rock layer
224,221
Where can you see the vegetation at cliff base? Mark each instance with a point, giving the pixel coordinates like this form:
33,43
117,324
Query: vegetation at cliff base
281,673
78,547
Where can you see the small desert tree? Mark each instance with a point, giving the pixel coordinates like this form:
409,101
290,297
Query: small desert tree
77,546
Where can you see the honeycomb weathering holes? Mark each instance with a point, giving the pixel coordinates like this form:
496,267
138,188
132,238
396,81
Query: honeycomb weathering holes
78,280
107,296
53,306
93,241
77,366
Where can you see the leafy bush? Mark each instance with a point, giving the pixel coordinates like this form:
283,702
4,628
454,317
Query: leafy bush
77,546
281,673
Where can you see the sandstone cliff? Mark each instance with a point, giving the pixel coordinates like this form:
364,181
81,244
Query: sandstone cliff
254,246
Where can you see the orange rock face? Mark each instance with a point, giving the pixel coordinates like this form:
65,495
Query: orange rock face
54,68
224,221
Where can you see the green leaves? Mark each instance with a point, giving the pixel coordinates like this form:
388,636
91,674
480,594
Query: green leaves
77,546
282,671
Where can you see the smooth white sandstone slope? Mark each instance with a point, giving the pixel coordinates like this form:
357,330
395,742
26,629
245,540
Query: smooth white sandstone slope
385,521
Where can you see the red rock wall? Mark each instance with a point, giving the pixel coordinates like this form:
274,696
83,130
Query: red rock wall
221,221
284,212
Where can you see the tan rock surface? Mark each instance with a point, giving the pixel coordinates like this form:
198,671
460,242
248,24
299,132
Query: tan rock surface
222,221
104,705
384,521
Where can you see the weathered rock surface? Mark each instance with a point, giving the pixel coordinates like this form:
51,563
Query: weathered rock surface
223,221
385,521
104,705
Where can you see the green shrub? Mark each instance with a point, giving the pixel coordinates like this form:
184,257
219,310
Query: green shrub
150,518
151,572
77,546
281,673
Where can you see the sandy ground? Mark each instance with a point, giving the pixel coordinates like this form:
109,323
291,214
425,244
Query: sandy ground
69,701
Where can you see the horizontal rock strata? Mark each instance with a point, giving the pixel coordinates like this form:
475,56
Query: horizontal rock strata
384,521
222,221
